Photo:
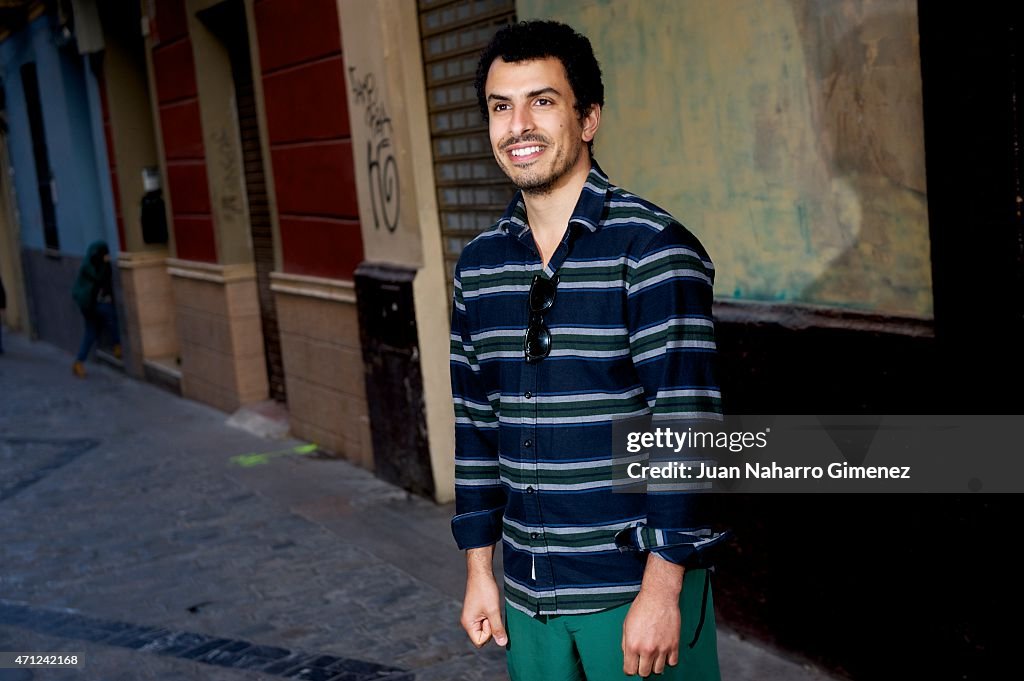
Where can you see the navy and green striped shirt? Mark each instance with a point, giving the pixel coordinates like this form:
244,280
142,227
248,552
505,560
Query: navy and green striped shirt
632,335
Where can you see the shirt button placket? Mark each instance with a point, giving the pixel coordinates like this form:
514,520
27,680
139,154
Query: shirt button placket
530,454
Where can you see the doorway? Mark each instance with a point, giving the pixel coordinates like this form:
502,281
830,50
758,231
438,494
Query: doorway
227,21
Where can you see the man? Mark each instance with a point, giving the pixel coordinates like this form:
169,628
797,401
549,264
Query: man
583,304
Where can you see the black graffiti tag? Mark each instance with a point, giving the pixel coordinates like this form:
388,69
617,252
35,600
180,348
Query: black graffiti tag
385,180
230,202
382,167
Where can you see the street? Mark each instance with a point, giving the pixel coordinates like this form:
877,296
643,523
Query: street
140,531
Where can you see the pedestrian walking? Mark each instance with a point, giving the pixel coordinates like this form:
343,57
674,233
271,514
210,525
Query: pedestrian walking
93,292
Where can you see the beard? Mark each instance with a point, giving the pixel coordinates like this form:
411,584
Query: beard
539,182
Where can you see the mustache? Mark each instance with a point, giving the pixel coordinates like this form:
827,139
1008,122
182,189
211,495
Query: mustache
525,138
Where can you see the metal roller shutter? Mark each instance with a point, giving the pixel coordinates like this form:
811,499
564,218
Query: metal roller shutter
472,192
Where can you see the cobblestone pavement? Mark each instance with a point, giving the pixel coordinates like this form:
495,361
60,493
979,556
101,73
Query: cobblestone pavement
128,534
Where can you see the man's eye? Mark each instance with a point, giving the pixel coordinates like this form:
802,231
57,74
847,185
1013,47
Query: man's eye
543,102
500,107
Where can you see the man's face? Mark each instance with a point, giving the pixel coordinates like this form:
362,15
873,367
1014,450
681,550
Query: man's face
536,136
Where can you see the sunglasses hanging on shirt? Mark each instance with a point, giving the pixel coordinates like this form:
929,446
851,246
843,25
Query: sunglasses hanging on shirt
537,344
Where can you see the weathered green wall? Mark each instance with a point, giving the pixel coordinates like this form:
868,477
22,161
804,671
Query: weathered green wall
786,134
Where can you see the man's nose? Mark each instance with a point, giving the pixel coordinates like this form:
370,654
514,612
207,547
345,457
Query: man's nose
522,121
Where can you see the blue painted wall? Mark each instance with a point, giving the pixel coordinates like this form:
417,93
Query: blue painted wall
100,162
71,117
14,52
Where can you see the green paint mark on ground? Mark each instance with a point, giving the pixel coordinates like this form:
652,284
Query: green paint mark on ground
249,460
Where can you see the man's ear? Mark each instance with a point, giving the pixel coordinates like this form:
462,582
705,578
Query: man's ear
591,122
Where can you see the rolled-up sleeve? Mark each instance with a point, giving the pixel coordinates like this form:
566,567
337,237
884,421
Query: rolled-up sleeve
672,343
479,495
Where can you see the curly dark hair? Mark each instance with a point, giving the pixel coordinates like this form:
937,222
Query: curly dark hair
536,39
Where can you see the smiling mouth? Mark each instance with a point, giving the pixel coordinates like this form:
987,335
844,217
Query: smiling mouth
525,153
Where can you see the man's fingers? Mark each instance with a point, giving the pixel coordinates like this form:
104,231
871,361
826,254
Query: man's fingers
500,637
630,664
625,662
645,665
482,633
486,626
494,618
628,668
478,630
658,666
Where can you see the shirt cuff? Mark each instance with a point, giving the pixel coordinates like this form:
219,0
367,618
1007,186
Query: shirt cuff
690,548
478,528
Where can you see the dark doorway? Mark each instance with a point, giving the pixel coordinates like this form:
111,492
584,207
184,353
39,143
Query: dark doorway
44,179
227,21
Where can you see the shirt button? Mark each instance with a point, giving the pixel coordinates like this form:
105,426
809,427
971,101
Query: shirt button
528,443
527,394
529,490
534,535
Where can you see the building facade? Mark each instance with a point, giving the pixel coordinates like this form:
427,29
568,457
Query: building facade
55,143
286,191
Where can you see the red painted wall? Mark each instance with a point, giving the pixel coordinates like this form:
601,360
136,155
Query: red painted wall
181,129
304,91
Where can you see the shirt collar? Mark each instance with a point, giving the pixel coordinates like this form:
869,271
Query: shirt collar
588,212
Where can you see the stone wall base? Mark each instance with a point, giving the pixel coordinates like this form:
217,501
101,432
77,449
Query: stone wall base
148,306
218,318
323,364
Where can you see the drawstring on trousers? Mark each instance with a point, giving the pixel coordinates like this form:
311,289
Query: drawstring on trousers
703,607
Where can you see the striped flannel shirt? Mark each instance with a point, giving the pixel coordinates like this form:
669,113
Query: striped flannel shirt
632,334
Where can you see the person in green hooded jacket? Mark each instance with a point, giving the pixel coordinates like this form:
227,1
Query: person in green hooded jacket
93,292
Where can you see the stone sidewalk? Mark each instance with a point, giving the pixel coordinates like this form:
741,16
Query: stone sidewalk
132,534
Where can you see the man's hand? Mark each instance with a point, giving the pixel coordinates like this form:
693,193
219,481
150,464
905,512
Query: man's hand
650,633
481,609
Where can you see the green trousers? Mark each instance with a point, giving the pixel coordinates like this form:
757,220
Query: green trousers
589,647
